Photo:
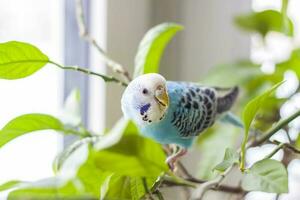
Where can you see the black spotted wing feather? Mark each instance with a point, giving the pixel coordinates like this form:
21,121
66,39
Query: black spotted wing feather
194,110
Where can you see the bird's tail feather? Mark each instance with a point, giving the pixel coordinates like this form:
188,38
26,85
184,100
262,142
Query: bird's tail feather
230,118
225,102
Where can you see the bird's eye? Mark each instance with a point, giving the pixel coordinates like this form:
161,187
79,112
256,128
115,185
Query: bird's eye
145,91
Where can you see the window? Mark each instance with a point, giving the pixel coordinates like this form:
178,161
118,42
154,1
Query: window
40,23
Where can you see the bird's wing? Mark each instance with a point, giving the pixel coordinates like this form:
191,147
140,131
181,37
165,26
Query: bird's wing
194,108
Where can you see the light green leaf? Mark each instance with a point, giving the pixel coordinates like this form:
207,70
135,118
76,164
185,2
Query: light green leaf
133,155
264,22
18,60
220,135
231,156
267,176
50,189
9,185
129,157
137,188
151,47
109,185
28,123
105,187
249,113
127,188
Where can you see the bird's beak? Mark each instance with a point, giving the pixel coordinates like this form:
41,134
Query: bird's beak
162,97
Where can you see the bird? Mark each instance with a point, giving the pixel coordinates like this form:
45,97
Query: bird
175,113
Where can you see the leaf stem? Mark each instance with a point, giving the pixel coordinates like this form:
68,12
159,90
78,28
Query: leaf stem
274,130
83,32
159,195
288,146
280,146
89,72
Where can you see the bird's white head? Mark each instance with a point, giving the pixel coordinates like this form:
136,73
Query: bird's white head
145,100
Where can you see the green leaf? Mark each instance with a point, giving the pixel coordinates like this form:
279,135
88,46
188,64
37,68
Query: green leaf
109,185
137,188
18,60
117,164
151,47
253,106
231,156
220,135
133,155
297,143
9,185
245,71
267,176
124,187
105,187
249,113
50,189
264,22
28,123
293,63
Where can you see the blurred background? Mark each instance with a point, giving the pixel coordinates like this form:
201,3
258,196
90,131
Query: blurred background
210,38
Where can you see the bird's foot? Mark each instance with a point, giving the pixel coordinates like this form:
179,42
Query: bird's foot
172,159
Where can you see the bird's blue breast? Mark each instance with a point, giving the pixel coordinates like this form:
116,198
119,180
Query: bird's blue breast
164,131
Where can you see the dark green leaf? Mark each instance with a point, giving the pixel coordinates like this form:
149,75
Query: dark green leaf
151,47
267,176
18,60
231,156
264,22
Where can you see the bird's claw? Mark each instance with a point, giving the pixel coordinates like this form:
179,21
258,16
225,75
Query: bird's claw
172,159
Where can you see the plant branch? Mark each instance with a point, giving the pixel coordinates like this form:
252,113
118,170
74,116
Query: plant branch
83,32
200,191
62,157
214,183
274,130
288,146
280,146
89,72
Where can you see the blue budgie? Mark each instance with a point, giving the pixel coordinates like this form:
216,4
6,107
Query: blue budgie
174,112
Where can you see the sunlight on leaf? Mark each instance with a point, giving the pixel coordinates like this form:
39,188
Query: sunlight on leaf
249,113
19,59
50,189
151,47
28,123
267,176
